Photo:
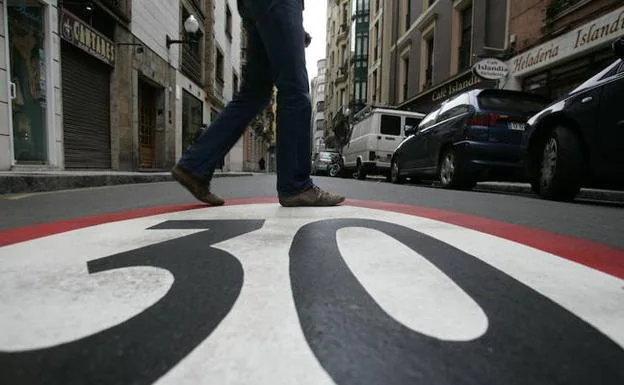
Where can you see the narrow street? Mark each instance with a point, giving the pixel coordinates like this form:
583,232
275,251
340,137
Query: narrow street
402,284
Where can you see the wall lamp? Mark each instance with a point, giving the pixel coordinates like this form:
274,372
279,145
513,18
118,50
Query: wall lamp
191,26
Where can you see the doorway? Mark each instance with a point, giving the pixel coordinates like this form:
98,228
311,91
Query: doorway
27,80
147,124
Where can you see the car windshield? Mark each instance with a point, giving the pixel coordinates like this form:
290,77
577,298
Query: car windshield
512,102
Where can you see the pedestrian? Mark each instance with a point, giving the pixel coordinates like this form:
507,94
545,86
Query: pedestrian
261,164
276,56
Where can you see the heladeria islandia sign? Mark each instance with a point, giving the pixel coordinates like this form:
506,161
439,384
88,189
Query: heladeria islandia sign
491,69
600,31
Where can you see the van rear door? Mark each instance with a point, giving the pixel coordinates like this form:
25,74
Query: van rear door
389,137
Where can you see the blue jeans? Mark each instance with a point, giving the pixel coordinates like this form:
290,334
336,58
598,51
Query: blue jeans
276,56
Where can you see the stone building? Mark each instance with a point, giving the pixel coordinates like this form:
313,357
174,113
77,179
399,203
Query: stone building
109,84
559,44
337,75
422,51
317,125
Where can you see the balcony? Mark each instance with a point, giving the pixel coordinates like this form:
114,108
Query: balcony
192,64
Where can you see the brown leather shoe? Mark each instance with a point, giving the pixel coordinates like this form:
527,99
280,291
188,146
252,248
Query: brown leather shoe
313,196
195,186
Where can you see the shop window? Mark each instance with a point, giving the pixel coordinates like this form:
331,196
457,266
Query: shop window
390,125
27,82
192,116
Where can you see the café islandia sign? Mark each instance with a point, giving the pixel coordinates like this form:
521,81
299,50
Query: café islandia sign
590,35
87,38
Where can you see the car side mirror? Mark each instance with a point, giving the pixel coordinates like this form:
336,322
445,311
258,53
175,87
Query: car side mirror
410,130
618,48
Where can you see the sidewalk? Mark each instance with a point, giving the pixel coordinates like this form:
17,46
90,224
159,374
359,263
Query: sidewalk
15,182
522,188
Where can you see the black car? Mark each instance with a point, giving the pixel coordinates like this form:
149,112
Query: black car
578,141
471,137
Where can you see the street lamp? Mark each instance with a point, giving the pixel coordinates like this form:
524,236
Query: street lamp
191,27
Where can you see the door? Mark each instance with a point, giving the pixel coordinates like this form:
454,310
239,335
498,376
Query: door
611,129
27,80
147,125
416,149
86,109
449,127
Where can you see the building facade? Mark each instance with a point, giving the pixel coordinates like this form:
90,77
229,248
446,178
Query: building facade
108,85
429,46
558,44
338,54
317,90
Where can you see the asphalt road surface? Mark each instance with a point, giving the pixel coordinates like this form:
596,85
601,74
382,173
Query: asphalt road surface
138,284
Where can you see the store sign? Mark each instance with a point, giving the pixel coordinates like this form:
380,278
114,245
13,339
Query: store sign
86,38
600,31
491,69
455,87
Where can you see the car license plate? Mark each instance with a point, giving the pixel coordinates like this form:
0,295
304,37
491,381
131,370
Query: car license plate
517,126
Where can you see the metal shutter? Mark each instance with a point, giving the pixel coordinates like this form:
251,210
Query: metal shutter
86,109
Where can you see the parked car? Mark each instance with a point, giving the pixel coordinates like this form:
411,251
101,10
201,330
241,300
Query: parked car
578,141
375,134
323,163
471,137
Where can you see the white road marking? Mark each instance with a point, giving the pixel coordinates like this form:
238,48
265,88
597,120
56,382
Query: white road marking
410,288
260,338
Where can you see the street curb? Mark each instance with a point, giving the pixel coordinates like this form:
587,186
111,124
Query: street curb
24,183
589,194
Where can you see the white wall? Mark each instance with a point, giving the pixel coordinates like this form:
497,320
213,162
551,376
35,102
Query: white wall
152,21
54,126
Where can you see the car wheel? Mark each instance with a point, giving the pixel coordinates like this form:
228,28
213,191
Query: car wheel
334,170
451,174
562,162
395,172
359,172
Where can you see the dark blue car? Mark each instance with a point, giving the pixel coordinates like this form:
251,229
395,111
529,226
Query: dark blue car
578,141
472,137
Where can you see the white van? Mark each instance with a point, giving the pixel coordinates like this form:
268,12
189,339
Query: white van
375,133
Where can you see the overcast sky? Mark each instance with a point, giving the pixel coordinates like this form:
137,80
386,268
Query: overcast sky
314,21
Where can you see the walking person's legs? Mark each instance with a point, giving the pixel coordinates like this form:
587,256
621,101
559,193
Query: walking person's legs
196,167
280,24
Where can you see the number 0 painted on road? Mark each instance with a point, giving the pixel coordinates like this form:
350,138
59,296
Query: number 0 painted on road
358,343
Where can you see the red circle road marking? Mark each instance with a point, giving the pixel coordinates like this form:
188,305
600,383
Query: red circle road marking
604,258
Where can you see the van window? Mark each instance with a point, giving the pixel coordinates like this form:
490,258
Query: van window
413,122
390,125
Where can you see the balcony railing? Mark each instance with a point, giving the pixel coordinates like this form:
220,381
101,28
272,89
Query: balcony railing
191,64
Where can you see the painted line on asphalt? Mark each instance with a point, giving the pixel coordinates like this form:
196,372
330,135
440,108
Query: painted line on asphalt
598,256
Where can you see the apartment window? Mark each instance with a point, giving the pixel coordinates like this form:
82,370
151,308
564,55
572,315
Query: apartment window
405,77
219,67
234,82
408,15
228,22
320,106
374,88
376,53
192,53
332,59
428,45
465,47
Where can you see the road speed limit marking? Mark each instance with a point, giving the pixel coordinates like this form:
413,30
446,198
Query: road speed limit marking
264,294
